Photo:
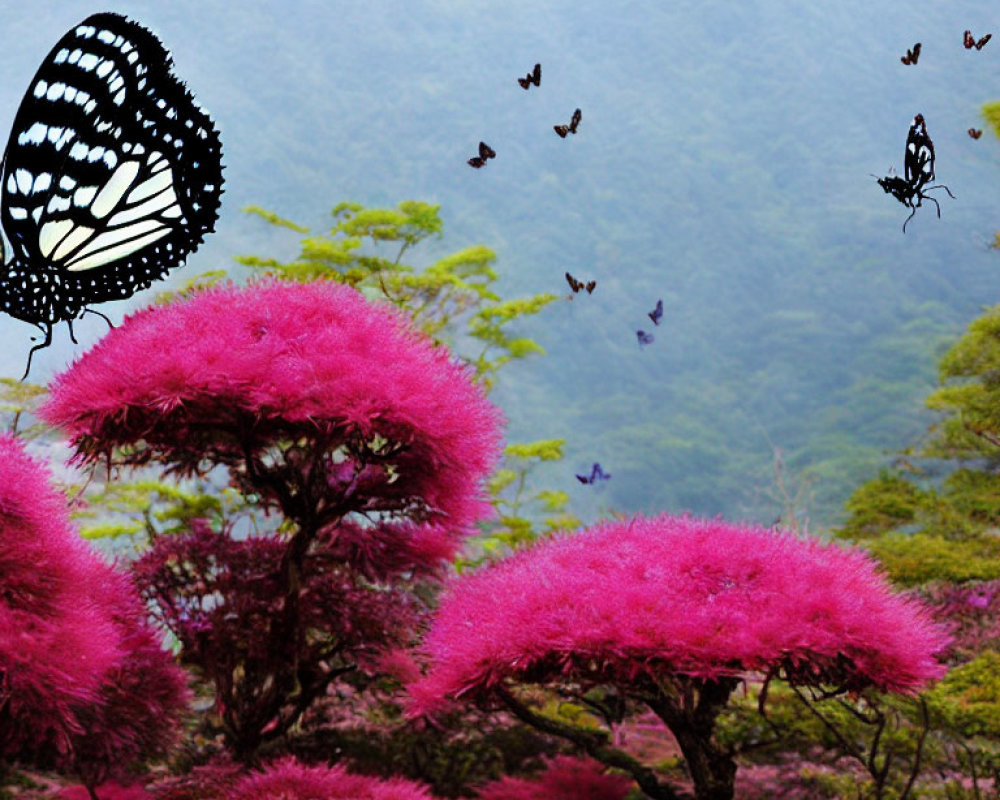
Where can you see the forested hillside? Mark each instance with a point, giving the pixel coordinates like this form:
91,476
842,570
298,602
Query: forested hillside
724,163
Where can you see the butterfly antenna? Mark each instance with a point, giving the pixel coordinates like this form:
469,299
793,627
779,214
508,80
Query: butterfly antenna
46,328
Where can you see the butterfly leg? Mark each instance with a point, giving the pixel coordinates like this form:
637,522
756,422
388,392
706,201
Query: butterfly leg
914,211
45,328
98,313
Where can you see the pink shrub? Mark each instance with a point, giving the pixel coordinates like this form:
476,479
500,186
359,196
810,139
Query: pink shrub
702,598
564,778
86,686
106,791
289,780
199,381
669,614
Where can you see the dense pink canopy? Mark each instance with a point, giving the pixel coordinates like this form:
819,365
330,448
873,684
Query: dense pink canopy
287,779
677,595
84,682
193,380
56,642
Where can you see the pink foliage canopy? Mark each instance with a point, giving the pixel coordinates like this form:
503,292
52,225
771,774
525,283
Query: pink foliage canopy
204,378
287,779
565,778
55,640
677,595
85,685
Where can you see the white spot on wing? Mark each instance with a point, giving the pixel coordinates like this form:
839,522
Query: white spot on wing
84,196
151,186
91,257
116,187
24,180
79,235
52,233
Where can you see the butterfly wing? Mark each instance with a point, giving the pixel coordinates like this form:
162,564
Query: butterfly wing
476,162
590,286
968,41
919,159
574,122
485,151
112,174
574,284
644,338
975,133
562,130
657,313
982,42
536,75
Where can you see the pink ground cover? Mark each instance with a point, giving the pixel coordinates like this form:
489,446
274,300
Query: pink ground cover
287,779
703,598
197,379
564,778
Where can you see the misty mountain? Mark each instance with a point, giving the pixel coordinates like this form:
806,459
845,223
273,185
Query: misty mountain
725,163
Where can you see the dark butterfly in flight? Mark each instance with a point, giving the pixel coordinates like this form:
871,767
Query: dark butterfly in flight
576,285
970,41
975,133
485,154
657,313
644,338
533,77
596,474
911,55
574,123
112,175
911,190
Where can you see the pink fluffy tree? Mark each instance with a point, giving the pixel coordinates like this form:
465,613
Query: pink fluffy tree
671,614
85,686
366,440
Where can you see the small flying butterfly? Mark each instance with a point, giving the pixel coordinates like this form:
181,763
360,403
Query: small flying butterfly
485,153
912,55
971,42
574,123
533,77
576,285
644,338
975,133
657,313
596,474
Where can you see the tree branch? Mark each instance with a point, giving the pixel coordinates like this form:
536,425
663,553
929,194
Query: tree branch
594,744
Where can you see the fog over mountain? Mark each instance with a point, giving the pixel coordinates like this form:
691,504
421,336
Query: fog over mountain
724,163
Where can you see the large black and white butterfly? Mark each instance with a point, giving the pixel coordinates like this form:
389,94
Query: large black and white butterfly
112,175
918,165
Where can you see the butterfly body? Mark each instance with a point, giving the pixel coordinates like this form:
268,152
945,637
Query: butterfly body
485,154
596,474
533,77
111,177
574,123
911,189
